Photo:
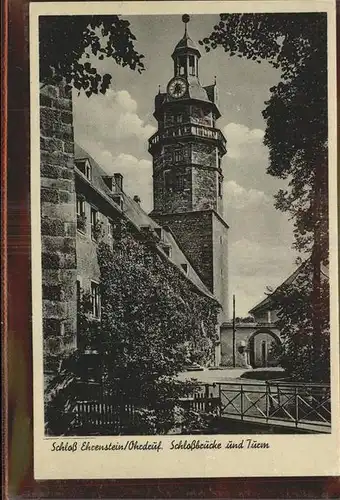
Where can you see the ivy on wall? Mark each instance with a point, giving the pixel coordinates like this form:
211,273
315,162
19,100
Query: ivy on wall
153,323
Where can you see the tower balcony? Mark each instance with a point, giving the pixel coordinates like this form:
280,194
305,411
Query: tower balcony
173,134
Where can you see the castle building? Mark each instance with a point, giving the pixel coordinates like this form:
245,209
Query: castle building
82,203
187,152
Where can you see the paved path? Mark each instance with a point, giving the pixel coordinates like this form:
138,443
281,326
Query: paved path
226,375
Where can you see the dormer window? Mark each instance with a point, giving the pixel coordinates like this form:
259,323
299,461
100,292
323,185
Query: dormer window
85,168
119,200
108,179
167,250
185,268
159,232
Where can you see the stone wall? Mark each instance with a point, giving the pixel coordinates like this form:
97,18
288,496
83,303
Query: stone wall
204,189
220,265
251,336
202,115
193,232
58,225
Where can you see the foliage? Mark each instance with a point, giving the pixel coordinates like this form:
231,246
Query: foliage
153,322
68,42
298,353
296,113
247,319
296,136
60,396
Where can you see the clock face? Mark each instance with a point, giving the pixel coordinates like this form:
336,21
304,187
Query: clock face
177,87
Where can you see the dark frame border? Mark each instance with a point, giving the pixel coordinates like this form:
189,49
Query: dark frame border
16,319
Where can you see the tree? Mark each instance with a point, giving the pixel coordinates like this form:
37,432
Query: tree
295,322
153,322
66,43
296,132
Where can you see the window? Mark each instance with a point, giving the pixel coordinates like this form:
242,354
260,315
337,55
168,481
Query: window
88,170
95,299
181,62
81,219
180,182
110,231
78,295
167,250
167,179
264,353
119,200
159,232
178,156
85,167
78,292
80,205
220,182
178,118
94,221
185,268
192,69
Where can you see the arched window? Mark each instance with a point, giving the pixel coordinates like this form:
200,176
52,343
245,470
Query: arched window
167,179
192,66
181,62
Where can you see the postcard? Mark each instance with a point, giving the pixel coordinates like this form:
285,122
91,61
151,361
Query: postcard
184,239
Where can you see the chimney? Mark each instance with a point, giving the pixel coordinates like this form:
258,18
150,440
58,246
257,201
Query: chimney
119,181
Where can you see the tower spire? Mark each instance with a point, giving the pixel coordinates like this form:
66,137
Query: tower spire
185,19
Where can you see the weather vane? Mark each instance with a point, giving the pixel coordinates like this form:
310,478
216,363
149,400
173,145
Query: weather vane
185,19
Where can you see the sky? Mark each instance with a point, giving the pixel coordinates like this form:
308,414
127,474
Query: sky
115,128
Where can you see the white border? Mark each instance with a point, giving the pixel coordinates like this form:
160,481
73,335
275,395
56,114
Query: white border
289,455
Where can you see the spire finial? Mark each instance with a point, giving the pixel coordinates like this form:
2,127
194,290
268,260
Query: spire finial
185,19
159,89
215,79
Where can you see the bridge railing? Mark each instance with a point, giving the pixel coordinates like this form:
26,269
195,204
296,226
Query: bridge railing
299,405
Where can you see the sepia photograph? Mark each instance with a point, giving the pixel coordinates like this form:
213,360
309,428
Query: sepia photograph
184,224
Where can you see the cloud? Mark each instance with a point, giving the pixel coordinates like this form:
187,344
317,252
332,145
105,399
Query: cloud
240,198
260,240
110,117
242,140
254,266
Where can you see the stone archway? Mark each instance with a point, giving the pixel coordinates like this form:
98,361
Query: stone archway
260,345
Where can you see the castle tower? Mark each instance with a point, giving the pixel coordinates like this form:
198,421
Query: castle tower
187,152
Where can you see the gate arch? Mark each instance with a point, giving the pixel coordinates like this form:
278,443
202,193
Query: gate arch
259,347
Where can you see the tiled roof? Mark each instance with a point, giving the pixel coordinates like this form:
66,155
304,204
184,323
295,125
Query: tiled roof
140,219
267,300
186,43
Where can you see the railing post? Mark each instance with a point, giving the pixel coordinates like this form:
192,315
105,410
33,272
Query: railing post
296,407
241,393
220,398
206,396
